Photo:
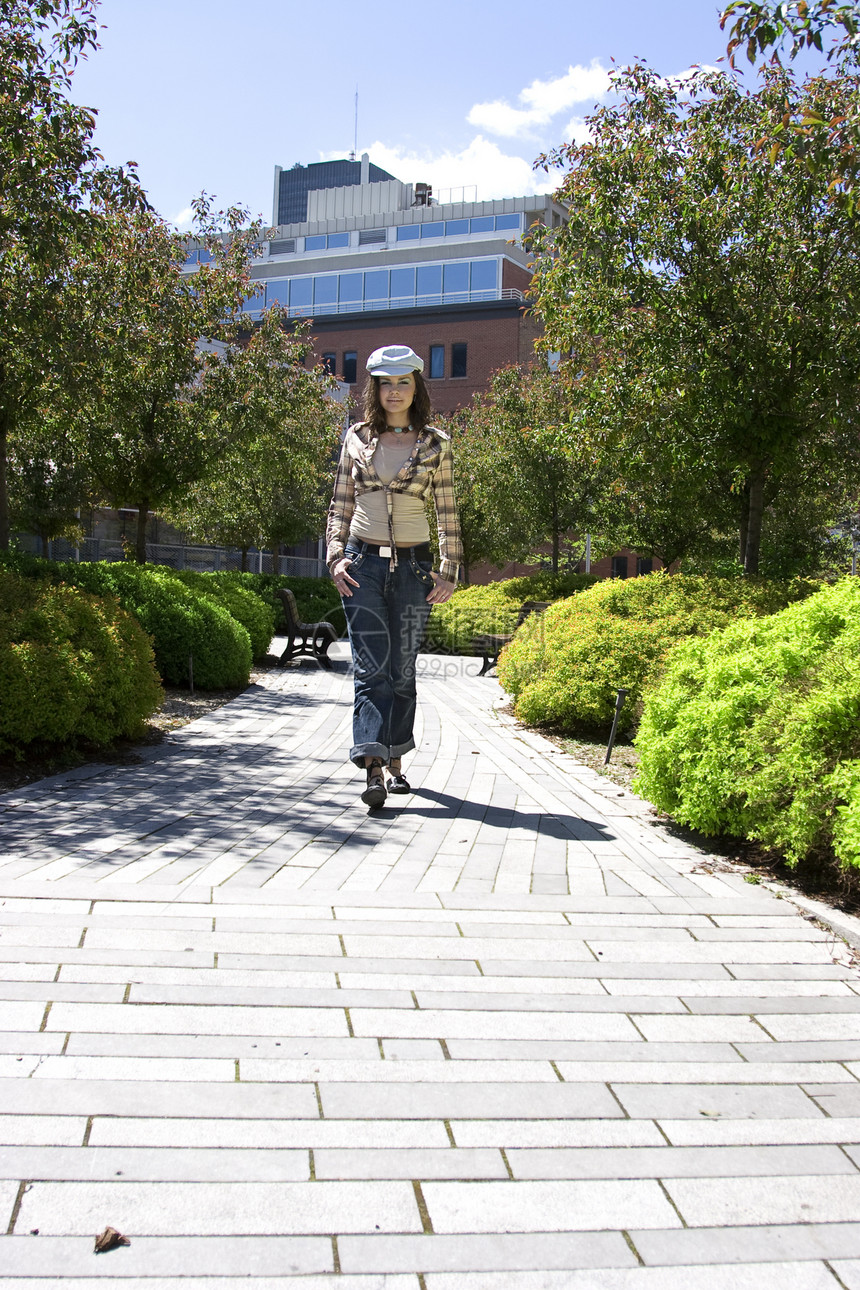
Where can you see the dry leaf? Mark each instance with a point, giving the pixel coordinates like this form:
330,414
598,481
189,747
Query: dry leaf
110,1239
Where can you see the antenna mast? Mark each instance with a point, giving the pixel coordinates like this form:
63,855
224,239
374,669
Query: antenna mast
355,136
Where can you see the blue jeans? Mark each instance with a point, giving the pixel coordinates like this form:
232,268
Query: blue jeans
386,616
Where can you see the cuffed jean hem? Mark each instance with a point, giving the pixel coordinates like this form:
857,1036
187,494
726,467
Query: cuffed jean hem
360,751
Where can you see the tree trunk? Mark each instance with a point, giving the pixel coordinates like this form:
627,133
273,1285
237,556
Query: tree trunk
4,498
755,517
744,526
46,552
556,540
244,565
140,535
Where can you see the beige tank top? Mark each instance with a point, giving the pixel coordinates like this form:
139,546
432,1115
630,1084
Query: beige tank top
370,519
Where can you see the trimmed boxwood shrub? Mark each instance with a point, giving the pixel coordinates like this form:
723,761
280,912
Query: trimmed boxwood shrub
254,613
181,621
492,610
73,667
755,731
317,598
565,667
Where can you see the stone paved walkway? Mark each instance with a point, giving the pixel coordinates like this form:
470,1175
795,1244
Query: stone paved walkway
506,1034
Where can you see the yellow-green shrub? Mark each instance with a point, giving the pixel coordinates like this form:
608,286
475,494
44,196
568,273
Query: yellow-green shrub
492,610
252,611
72,667
755,731
565,667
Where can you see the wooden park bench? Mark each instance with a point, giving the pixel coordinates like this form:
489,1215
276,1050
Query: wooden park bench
310,639
490,647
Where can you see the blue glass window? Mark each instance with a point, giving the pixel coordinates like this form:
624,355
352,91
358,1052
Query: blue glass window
190,258
351,286
429,280
204,256
483,275
350,366
436,229
408,232
456,277
402,283
453,226
329,360
437,362
481,224
508,221
337,239
300,292
316,243
458,360
376,285
325,290
278,291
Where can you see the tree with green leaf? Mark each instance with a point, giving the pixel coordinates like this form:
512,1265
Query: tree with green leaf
51,179
530,468
142,420
281,430
711,298
826,142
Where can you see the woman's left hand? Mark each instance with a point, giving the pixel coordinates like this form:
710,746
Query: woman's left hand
441,592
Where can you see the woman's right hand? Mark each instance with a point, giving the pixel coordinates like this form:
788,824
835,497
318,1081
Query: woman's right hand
341,576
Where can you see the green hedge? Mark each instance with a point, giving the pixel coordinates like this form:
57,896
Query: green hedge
181,621
493,610
317,598
73,667
248,608
755,731
565,667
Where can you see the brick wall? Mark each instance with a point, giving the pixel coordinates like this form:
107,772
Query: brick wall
494,339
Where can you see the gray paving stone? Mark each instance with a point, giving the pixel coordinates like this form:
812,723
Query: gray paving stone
153,1164
424,1135
66,1257
405,1163
548,1206
499,1252
749,1243
757,1276
556,1133
459,1101
677,1162
92,1044
730,1132
466,1024
704,1202
189,1019
697,1101
128,1097
848,1271
203,1209
836,1100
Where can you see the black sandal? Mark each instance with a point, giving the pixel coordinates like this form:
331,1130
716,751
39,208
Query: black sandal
396,781
375,792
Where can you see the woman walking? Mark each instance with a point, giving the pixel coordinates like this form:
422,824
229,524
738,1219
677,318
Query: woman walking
380,559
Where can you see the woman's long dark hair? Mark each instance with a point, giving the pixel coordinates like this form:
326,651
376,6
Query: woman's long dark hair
420,413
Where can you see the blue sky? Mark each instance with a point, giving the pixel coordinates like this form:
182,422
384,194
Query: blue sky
206,94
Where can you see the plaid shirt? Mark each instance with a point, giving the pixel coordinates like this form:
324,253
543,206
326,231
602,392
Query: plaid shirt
429,469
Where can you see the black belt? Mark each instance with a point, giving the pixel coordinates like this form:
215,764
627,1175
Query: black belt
421,552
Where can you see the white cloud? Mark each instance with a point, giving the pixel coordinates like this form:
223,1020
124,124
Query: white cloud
681,78
541,101
183,220
577,131
482,163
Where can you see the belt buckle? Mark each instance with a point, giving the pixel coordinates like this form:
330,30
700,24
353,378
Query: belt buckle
385,551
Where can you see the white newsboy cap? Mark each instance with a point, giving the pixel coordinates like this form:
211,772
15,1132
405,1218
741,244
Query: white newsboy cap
394,360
